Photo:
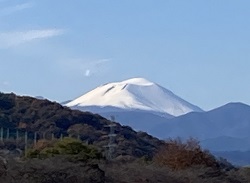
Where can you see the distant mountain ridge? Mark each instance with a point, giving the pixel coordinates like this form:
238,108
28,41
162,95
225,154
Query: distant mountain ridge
134,94
232,120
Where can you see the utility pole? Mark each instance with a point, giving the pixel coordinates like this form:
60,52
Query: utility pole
2,134
61,137
8,134
26,143
44,135
17,137
35,138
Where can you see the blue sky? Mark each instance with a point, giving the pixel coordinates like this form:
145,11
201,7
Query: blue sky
61,49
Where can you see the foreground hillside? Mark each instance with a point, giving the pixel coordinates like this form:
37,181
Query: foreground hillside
45,117
57,170
71,161
138,156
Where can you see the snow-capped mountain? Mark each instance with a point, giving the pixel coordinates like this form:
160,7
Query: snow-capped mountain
148,107
135,94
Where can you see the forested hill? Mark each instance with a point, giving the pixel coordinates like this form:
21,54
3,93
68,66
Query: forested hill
44,116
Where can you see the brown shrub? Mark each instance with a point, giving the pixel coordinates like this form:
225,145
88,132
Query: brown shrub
180,155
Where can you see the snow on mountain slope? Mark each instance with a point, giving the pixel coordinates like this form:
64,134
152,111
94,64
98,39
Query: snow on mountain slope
136,93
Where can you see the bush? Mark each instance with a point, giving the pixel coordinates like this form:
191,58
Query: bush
69,147
180,155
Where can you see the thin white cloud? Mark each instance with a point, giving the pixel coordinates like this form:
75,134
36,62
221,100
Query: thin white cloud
96,67
88,68
10,39
87,73
16,8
